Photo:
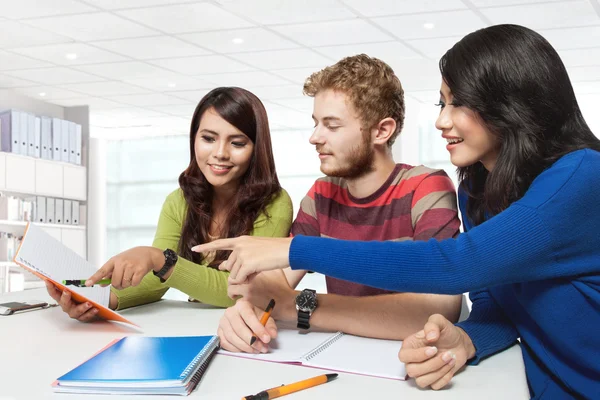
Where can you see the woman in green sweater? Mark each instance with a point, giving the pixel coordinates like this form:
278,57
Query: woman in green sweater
230,188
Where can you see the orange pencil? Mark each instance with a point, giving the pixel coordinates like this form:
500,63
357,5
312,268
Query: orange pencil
294,387
264,318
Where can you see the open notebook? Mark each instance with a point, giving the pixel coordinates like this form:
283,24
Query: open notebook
334,351
52,261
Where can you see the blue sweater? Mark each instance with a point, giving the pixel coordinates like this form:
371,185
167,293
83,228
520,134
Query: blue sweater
533,272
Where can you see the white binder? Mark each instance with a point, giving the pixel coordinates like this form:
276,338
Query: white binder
56,138
24,129
64,141
46,134
37,143
78,145
72,142
31,135
59,208
50,208
10,123
68,212
41,209
75,213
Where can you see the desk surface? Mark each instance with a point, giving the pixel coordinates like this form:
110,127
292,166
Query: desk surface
47,344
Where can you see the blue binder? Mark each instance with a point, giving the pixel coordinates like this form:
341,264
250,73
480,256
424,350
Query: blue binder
144,365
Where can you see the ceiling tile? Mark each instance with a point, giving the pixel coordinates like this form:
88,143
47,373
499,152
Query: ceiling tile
572,38
280,59
173,83
500,3
276,92
374,8
297,75
332,33
202,65
254,39
246,79
95,103
580,57
300,104
389,52
183,110
191,95
125,70
152,47
9,61
16,34
271,12
148,99
57,54
549,15
50,93
120,4
12,82
35,8
417,75
449,23
95,26
283,116
184,18
54,76
110,88
434,48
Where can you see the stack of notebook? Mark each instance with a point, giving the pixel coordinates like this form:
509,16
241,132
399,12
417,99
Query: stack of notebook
143,365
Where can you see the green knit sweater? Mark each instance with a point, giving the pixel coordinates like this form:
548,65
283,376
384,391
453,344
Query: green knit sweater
208,285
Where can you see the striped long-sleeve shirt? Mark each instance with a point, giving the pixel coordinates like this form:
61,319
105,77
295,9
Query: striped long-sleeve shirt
414,203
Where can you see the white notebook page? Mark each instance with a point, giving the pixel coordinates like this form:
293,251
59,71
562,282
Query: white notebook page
49,257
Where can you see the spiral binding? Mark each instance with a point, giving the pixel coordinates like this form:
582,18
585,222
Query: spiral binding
200,373
323,346
210,347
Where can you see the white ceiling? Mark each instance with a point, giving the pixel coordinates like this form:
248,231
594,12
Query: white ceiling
142,65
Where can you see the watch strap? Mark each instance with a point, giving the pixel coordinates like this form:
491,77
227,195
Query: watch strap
303,319
170,261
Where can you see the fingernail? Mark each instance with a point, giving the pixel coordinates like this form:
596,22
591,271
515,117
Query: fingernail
265,338
195,248
420,335
95,310
447,356
452,362
88,305
431,335
431,351
65,293
88,282
264,350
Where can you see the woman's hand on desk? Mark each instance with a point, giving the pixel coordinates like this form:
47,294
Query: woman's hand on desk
239,323
433,355
83,312
129,267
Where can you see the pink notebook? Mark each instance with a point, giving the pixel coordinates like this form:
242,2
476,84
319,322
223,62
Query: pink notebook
334,351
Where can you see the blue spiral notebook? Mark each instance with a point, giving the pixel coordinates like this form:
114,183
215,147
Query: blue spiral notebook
143,365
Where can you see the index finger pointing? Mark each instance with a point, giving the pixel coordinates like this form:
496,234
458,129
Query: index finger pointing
219,244
103,272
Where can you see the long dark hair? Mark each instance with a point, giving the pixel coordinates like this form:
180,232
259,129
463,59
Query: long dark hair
258,185
517,84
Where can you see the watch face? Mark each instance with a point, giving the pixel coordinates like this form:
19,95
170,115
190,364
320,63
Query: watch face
306,301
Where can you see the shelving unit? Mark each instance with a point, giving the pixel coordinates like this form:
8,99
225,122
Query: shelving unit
25,176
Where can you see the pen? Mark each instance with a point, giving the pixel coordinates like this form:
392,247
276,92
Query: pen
291,388
81,282
264,318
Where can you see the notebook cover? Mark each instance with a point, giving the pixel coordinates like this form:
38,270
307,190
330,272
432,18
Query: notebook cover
140,359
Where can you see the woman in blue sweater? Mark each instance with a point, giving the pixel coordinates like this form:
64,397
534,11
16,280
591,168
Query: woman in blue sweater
529,170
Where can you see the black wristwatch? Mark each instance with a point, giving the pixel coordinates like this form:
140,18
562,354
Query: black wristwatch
170,260
306,303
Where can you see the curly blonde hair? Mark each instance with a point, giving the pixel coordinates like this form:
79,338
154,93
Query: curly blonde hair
371,86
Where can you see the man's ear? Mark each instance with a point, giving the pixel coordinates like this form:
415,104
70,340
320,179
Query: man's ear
384,130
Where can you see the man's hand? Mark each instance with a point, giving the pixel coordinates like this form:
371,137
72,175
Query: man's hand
263,287
129,267
433,355
250,255
239,323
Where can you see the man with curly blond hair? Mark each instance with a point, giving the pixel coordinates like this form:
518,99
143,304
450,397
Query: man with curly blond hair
358,114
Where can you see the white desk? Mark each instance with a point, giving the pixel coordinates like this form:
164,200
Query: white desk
39,346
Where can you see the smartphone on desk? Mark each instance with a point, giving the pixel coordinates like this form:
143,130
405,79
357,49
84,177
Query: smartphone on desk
15,307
